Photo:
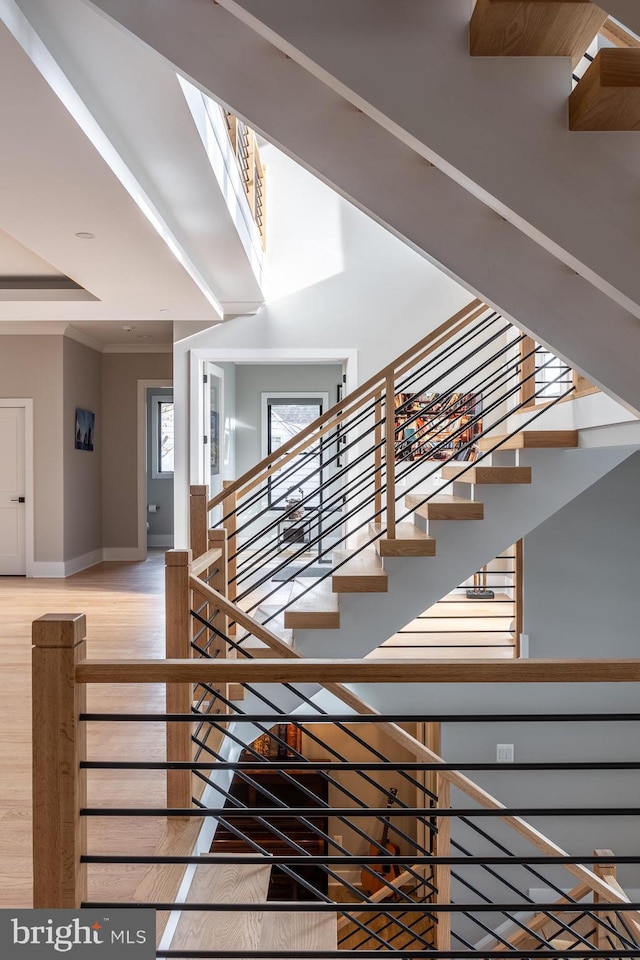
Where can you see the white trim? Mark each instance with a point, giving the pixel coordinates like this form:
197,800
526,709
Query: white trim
76,564
141,550
122,554
84,338
160,540
29,521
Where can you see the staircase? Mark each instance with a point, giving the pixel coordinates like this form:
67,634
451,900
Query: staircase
401,543
510,223
395,527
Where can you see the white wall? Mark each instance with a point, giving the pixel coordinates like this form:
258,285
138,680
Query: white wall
336,281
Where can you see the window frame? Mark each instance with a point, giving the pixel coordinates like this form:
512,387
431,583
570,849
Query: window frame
156,401
267,396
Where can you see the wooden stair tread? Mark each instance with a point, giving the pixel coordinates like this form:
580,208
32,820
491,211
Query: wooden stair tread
362,573
527,28
445,506
319,608
409,541
223,883
487,474
304,931
531,440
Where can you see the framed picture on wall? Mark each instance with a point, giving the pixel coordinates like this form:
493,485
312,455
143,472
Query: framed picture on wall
85,429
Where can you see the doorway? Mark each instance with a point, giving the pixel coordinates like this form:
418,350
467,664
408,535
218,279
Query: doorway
16,487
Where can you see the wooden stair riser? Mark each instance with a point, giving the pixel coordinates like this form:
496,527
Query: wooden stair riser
532,440
481,475
409,541
363,573
317,609
445,507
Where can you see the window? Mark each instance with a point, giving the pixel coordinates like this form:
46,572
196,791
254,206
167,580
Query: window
286,415
162,445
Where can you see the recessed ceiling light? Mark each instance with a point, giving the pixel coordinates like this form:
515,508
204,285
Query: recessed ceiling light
128,329
165,310
85,235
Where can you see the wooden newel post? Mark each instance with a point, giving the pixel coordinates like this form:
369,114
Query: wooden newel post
198,522
179,695
443,871
59,744
607,872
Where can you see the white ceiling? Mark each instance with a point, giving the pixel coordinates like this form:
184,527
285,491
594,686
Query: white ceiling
57,184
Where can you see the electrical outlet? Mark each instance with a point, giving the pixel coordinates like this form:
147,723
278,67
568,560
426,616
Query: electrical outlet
504,753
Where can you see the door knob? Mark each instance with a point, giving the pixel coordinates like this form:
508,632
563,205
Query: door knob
17,500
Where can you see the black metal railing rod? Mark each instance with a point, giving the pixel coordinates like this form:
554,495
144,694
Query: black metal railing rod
271,906
442,812
451,391
487,453
351,423
570,766
347,821
399,954
364,503
355,858
492,380
330,718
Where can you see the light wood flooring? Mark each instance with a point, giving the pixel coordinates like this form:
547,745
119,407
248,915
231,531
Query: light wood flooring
124,603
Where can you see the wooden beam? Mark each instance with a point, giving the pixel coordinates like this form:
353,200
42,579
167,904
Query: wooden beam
608,96
359,671
534,28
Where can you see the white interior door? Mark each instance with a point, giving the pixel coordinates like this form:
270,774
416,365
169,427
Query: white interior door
13,559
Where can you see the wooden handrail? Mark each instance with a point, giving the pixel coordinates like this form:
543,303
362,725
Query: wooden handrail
206,560
343,408
618,35
305,670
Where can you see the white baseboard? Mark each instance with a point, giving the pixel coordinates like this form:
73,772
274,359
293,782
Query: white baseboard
82,563
160,540
47,568
123,554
